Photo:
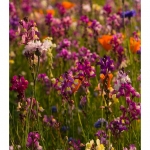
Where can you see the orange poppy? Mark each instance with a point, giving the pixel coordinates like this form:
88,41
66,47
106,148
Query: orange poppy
105,42
110,76
41,11
135,45
89,23
77,83
67,5
50,11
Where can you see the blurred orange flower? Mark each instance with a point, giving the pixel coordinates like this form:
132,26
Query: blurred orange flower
105,42
67,5
110,76
77,84
135,45
50,11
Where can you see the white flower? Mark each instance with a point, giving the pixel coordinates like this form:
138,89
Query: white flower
86,7
30,47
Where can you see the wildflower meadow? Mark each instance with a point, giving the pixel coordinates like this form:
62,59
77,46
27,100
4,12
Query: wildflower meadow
75,75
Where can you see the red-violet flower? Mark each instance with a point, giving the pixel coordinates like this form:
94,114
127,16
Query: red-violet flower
33,141
19,85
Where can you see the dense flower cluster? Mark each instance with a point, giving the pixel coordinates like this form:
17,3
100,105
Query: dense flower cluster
106,64
28,31
123,86
19,85
37,46
33,141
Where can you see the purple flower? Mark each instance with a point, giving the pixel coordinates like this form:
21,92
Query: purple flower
131,112
65,54
132,147
76,144
86,54
123,85
48,19
44,79
19,85
65,43
61,9
33,141
95,26
100,123
64,128
14,22
12,9
107,8
114,20
128,14
106,64
12,34
50,121
84,19
54,109
26,6
101,134
66,22
29,31
117,126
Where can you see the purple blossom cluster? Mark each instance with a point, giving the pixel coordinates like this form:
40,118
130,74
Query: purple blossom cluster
28,31
26,6
19,85
33,141
13,20
131,147
102,136
50,121
61,9
106,64
95,26
123,87
84,68
75,144
86,54
131,112
63,49
117,126
84,20
107,9
65,84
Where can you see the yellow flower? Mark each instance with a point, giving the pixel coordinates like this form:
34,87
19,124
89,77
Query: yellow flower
11,61
99,145
89,145
115,99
